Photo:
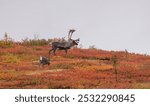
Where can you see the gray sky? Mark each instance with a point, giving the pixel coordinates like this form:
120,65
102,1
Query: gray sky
107,24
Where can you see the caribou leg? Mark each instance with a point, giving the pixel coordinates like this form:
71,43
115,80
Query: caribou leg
50,51
54,50
66,51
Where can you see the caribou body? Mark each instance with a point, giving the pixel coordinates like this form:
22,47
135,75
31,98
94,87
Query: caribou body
64,45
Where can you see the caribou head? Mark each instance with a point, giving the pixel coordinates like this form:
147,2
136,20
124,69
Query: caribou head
74,42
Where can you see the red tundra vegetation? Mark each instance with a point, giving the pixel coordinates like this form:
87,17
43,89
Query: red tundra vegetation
79,69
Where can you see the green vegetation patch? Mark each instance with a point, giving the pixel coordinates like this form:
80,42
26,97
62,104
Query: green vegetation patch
10,58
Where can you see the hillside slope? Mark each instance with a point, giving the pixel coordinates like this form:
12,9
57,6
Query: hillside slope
80,68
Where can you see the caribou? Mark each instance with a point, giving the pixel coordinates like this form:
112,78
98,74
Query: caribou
44,60
64,45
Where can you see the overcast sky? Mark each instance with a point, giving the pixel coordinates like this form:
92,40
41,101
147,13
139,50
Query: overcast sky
107,24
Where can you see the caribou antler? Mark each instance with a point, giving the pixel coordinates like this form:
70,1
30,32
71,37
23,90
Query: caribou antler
70,33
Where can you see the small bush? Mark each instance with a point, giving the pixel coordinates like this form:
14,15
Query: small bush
36,42
8,44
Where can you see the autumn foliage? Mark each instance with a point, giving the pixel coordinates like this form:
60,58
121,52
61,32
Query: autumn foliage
79,69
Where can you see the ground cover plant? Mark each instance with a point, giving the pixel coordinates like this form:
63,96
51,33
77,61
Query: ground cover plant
79,69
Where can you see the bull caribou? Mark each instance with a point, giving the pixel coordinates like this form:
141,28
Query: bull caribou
65,45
